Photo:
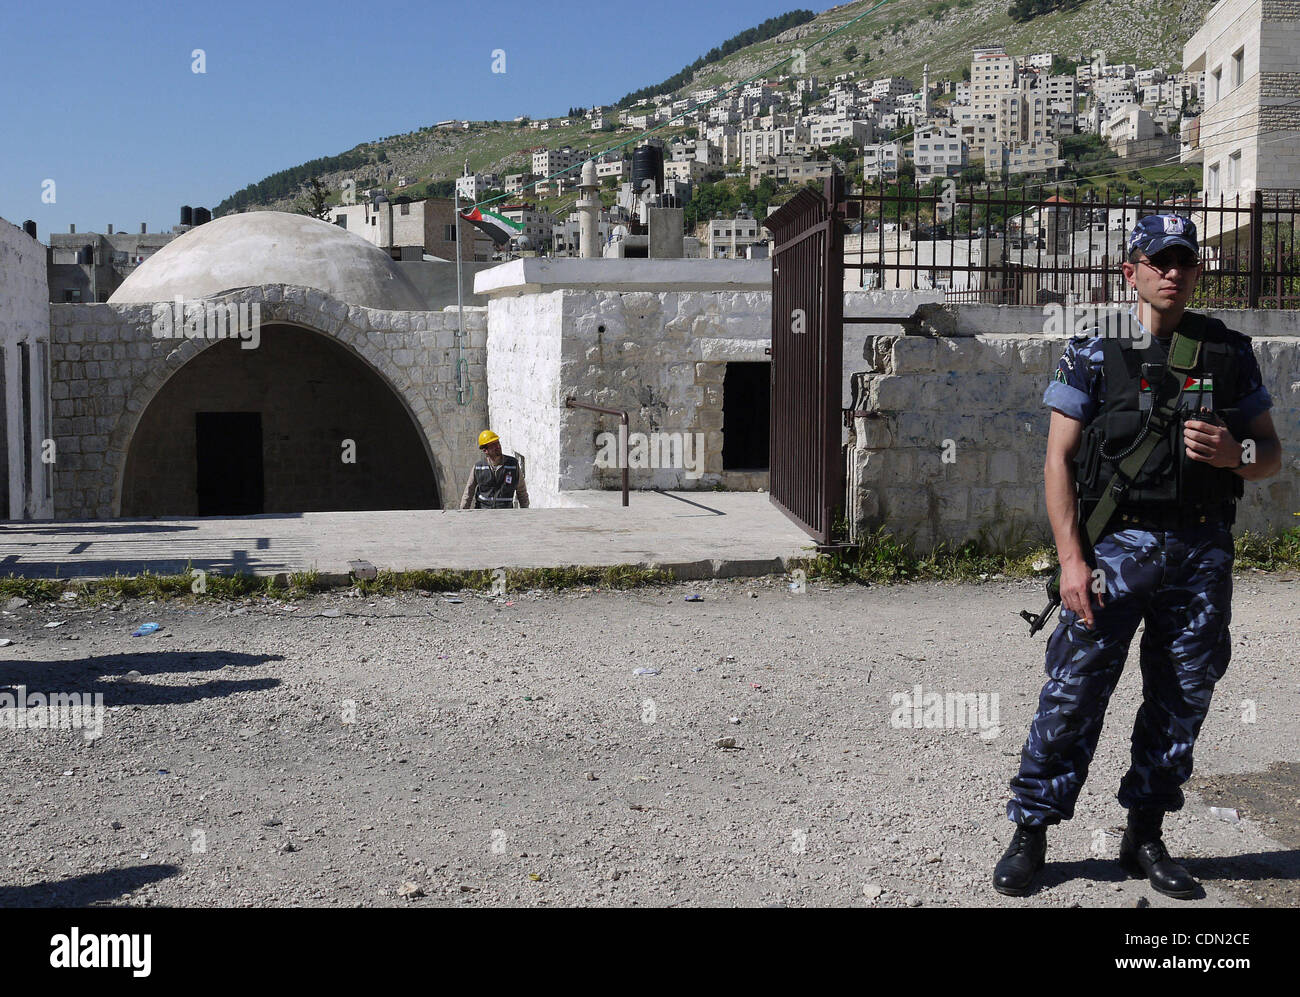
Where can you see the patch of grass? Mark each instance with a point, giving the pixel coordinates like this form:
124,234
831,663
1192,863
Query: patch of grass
148,585
1273,552
621,576
881,557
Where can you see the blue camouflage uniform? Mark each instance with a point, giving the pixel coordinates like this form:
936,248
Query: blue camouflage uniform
1180,583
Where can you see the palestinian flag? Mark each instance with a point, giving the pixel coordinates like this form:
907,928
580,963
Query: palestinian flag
1197,391
499,228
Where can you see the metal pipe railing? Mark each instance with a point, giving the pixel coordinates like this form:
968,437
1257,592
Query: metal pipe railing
622,415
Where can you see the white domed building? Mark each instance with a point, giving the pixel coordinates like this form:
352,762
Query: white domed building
260,363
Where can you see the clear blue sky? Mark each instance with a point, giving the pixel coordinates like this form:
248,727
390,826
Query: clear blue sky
100,97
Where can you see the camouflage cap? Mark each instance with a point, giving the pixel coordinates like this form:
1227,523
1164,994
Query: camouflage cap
1156,232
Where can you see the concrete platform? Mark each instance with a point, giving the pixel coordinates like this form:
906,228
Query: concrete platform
691,534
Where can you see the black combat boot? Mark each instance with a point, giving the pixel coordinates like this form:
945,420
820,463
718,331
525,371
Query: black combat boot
1022,860
1143,855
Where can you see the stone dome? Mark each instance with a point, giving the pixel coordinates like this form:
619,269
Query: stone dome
271,247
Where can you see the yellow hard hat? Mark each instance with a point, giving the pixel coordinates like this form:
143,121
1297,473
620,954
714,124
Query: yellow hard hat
486,437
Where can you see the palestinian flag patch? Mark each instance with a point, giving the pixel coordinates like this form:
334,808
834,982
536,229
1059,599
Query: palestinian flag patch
1197,392
499,228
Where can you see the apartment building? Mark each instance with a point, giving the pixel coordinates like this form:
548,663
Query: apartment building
1005,159
938,152
728,238
827,130
407,229
892,86
880,161
756,145
472,186
538,225
992,74
792,168
1249,129
547,162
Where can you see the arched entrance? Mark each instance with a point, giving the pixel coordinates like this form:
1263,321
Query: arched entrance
299,424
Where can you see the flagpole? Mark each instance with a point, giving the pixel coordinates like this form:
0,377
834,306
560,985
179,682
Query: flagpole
460,310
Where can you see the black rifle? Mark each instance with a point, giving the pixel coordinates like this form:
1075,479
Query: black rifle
1053,600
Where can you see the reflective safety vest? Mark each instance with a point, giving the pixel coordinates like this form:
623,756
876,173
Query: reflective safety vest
496,485
1169,478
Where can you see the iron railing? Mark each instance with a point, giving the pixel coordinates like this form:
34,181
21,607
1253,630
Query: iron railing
999,245
622,418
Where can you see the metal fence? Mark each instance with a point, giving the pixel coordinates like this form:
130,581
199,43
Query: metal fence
999,246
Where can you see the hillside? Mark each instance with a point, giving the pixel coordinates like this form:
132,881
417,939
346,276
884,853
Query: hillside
894,40
905,34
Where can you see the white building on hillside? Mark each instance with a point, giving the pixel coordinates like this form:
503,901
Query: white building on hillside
1248,135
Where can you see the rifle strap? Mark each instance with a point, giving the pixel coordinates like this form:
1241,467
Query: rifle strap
1184,351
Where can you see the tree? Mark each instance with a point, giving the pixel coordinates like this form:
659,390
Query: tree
851,52
1061,66
317,198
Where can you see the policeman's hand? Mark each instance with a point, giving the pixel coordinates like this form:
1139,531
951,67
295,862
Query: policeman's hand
1076,590
1210,443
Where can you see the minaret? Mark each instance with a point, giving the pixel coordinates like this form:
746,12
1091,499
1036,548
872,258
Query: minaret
925,90
589,213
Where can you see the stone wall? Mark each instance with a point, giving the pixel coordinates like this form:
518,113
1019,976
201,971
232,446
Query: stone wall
25,488
524,394
652,337
638,345
107,367
976,390
661,355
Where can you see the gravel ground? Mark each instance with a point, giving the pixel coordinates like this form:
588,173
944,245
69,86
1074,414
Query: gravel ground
503,752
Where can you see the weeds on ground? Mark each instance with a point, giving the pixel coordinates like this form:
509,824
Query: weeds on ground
298,585
881,557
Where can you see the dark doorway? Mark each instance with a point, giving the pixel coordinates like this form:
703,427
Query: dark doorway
229,449
335,436
746,400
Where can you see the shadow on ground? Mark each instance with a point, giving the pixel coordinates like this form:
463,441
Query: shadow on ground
105,675
83,891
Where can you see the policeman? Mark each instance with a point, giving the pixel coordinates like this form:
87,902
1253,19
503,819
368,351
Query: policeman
496,480
1165,557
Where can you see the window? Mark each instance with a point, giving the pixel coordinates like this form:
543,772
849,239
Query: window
1215,78
449,233
71,294
341,221
1212,181
406,209
1234,170
1238,66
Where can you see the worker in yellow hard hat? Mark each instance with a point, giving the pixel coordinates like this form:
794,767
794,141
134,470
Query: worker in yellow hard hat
497,480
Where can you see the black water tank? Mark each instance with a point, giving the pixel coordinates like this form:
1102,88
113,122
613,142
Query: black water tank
187,215
202,216
29,227
647,164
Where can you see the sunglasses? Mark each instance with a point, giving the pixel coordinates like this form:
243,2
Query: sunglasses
1162,263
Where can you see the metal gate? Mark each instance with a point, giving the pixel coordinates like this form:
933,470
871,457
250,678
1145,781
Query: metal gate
806,465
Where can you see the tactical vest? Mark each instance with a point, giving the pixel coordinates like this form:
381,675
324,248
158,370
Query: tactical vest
1169,478
496,485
